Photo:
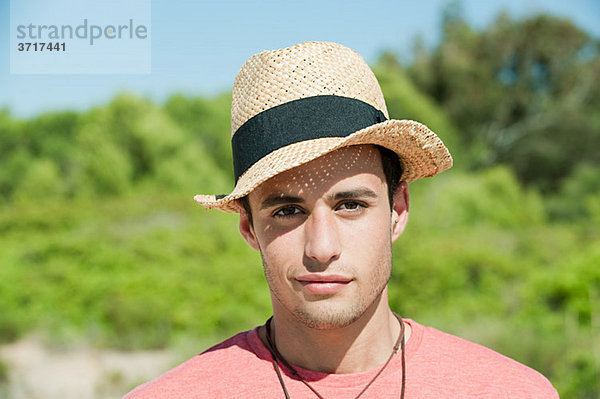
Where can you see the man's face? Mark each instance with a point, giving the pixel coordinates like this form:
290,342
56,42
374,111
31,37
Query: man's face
324,231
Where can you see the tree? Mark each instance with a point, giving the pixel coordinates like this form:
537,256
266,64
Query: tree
521,93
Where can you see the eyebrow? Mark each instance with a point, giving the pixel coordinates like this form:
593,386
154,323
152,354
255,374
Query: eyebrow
279,199
352,194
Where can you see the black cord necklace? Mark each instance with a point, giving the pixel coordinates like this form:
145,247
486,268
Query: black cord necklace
276,356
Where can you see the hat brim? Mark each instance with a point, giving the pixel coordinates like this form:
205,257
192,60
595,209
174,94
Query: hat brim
421,153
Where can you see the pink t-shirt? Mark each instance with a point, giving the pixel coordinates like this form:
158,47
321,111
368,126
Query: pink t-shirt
438,365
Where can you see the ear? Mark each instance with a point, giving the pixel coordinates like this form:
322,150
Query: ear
400,210
247,231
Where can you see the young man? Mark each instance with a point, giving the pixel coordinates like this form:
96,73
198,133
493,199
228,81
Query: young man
321,188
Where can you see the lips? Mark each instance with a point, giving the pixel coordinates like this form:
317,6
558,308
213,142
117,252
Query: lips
320,284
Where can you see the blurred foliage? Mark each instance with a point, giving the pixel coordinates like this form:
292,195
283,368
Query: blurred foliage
519,92
101,241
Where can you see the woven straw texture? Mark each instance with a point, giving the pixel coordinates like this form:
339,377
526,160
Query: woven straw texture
272,78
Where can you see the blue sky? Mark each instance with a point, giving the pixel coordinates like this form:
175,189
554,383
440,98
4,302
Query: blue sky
198,46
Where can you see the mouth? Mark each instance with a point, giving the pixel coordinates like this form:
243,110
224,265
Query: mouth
323,284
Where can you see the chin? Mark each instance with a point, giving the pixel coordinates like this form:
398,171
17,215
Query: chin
325,318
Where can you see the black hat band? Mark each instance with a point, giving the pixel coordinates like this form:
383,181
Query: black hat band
299,120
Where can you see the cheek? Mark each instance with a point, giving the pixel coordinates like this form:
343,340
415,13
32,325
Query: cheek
367,242
373,230
282,252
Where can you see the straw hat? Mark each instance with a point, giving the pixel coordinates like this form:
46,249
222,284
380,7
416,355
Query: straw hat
295,104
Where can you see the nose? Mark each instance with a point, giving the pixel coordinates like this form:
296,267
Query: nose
322,241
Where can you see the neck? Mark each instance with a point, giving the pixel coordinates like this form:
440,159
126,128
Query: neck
363,345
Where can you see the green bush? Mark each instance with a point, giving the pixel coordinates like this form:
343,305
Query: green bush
101,240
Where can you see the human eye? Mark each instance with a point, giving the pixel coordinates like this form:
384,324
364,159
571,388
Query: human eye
351,206
287,211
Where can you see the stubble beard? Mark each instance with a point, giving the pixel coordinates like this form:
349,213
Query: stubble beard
328,313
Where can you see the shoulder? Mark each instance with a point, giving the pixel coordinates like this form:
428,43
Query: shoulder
474,367
222,365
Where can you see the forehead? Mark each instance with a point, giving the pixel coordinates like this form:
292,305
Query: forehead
345,165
